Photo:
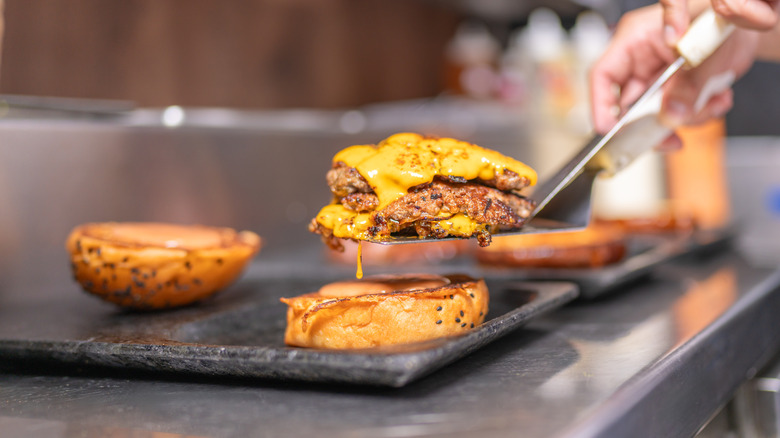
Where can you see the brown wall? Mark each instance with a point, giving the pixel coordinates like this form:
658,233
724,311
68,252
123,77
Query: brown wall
252,53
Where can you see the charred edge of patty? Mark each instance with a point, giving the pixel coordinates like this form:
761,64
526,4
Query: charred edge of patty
360,202
425,229
327,236
344,180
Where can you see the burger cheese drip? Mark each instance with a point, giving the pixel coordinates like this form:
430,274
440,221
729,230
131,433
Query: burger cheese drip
359,273
406,163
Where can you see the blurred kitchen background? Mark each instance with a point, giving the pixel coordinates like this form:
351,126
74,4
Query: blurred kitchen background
228,113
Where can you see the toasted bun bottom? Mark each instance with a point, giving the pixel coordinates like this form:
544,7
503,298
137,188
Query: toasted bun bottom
592,247
156,266
385,310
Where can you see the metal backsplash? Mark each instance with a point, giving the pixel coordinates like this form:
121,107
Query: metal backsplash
258,171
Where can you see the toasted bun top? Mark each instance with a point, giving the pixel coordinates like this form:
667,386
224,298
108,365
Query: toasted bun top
164,235
406,160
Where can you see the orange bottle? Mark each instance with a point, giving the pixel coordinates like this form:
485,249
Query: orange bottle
697,184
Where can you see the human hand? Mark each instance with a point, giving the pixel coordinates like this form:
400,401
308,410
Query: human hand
638,54
683,94
748,14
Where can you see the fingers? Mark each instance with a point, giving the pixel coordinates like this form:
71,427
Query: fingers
609,71
633,60
676,20
679,106
751,14
682,102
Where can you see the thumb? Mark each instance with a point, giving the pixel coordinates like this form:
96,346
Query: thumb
676,20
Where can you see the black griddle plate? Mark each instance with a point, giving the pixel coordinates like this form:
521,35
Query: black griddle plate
240,334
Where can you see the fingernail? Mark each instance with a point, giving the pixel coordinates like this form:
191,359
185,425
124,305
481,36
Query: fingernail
670,35
676,113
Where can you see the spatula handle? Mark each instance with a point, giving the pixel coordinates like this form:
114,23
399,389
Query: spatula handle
704,36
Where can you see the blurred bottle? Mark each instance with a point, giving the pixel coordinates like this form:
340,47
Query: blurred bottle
697,175
590,37
551,94
471,60
636,194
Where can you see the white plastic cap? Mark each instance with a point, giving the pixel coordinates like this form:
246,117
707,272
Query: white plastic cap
544,38
590,36
473,44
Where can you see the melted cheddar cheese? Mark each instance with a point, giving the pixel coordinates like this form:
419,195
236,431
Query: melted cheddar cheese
406,160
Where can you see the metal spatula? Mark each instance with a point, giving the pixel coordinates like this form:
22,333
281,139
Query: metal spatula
563,201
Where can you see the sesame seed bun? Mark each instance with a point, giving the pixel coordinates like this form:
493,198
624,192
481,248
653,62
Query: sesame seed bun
385,310
157,265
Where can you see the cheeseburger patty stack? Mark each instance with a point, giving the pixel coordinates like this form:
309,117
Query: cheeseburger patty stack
429,187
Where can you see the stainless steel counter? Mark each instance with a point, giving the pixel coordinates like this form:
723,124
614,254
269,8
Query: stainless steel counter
657,358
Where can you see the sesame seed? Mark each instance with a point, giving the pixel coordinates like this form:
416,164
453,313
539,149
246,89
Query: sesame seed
472,295
472,325
452,297
461,313
481,313
97,250
97,270
457,319
438,309
438,322
196,281
135,271
124,260
188,265
463,325
219,261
